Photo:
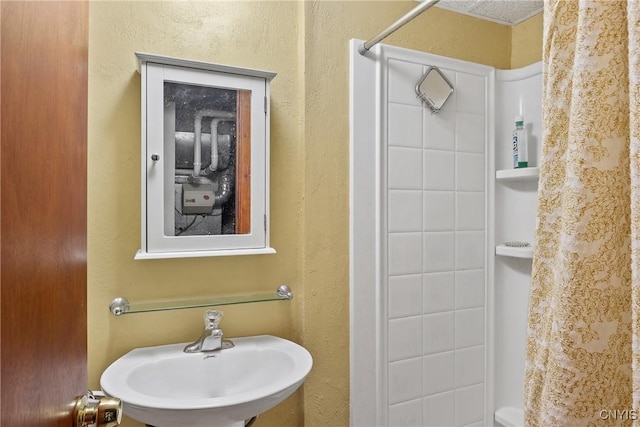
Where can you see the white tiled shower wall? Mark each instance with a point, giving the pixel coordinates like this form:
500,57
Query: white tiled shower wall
436,251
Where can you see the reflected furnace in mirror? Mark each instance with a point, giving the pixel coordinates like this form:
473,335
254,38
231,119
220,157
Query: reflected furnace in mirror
434,89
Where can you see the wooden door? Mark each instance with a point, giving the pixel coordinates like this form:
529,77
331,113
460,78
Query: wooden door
43,145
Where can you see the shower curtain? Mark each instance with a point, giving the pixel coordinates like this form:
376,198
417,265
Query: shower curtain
583,344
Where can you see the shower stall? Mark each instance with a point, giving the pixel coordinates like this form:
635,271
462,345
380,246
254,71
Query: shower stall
438,302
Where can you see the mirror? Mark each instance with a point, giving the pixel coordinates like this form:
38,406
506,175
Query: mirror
434,89
211,195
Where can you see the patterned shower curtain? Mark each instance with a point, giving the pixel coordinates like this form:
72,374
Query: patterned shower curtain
583,345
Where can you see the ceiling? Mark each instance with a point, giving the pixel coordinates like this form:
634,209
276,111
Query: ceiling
507,12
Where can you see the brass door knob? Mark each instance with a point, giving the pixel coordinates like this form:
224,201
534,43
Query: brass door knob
100,411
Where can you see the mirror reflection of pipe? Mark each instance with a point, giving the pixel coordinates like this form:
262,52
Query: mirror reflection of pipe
225,187
180,172
214,146
186,178
184,144
197,127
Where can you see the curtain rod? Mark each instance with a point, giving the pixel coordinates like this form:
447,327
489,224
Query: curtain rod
426,4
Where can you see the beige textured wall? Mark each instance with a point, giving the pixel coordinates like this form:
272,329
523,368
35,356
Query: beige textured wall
526,42
328,28
253,34
306,43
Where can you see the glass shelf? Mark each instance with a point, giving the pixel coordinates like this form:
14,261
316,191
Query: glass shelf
120,306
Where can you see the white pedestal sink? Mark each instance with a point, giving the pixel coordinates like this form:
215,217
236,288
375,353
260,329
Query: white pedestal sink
165,387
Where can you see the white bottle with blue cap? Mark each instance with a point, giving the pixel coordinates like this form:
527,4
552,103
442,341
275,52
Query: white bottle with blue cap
520,147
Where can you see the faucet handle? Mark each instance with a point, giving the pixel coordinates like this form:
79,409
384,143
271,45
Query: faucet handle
212,318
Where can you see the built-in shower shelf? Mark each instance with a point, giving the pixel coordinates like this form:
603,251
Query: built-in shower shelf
509,416
515,252
522,174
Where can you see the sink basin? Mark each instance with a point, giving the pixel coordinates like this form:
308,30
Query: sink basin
164,387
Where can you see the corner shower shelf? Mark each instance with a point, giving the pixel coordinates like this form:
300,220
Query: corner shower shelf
522,174
515,252
120,306
509,416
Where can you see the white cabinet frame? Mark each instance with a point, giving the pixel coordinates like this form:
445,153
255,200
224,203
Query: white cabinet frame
158,166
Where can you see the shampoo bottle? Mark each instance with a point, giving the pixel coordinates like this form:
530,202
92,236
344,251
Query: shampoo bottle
520,148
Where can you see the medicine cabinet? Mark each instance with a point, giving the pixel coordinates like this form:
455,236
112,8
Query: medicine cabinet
205,159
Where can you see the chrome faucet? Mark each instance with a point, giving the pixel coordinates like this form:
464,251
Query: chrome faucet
211,338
